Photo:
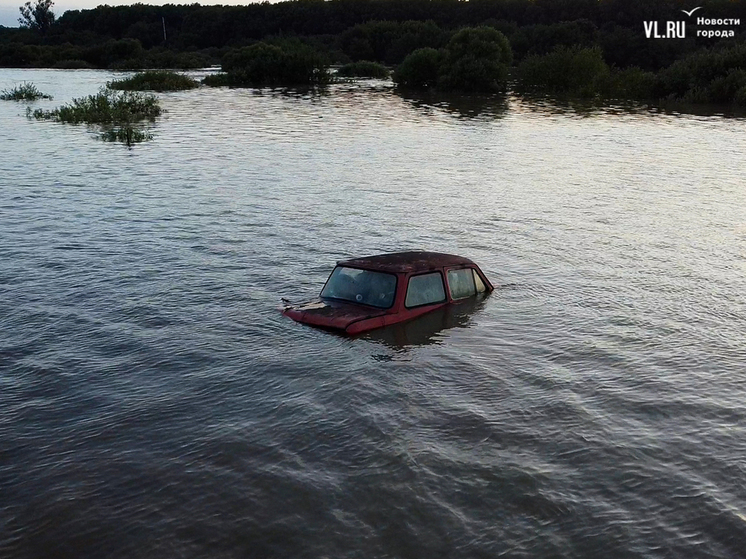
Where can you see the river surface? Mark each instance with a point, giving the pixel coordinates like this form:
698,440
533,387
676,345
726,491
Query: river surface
154,402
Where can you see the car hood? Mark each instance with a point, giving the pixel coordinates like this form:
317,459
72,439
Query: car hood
328,313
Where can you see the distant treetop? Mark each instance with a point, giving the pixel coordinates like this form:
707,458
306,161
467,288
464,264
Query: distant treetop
37,16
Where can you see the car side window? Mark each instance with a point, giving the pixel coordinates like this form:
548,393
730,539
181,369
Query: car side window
461,283
425,289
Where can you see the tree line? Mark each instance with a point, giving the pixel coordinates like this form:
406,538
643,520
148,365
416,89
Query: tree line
601,43
384,31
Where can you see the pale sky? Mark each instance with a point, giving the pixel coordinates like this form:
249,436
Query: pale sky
9,13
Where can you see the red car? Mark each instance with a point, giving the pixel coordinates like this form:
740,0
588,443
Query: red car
366,293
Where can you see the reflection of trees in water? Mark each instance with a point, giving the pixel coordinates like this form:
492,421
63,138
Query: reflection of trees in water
497,106
458,105
426,329
550,104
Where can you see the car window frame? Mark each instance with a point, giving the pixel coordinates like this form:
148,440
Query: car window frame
455,269
393,301
429,272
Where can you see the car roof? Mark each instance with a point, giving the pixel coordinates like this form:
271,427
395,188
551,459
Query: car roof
406,262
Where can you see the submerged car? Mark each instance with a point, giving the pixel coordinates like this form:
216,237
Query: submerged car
366,293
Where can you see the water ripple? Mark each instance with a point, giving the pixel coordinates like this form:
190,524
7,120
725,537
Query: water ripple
153,401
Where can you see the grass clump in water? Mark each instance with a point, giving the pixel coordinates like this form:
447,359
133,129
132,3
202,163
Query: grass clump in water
27,91
154,80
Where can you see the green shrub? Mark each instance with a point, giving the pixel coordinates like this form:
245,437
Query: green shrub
477,59
364,69
723,89
575,71
420,69
219,79
629,83
263,64
118,113
711,76
27,91
154,80
107,107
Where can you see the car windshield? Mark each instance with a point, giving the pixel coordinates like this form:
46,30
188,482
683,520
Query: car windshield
361,286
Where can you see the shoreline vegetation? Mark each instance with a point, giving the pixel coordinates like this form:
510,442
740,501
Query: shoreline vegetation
590,49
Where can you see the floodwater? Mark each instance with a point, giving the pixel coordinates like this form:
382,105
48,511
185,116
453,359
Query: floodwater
154,403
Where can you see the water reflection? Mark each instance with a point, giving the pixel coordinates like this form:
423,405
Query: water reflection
558,105
427,329
460,106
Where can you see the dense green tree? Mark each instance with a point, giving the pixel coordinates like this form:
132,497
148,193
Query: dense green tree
420,69
477,59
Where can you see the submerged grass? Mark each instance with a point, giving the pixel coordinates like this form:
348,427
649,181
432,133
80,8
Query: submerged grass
154,80
26,91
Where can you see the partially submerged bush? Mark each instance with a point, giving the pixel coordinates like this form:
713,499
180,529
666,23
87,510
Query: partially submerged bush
712,76
575,71
420,69
475,60
262,64
154,80
119,114
26,91
107,107
219,79
364,69
630,83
